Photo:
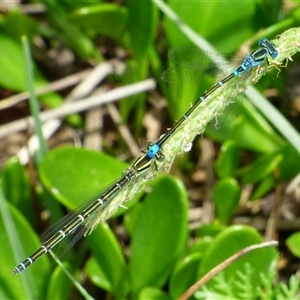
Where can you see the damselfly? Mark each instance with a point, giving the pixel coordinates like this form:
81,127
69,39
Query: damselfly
251,61
81,222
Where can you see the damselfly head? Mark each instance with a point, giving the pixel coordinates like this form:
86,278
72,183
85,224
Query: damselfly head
269,46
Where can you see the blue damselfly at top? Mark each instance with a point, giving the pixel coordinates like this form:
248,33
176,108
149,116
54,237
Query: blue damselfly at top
254,59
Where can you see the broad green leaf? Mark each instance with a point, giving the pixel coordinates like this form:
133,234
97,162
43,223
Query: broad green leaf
287,167
159,234
184,275
99,18
227,160
17,24
16,187
59,286
132,216
153,294
12,66
263,187
16,246
97,275
69,31
12,74
108,255
293,243
226,196
199,15
255,132
141,27
73,175
249,130
209,230
230,241
77,4
267,14
261,168
201,244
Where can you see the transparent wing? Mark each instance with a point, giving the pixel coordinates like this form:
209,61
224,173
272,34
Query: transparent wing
191,64
234,108
229,114
69,241
184,75
194,57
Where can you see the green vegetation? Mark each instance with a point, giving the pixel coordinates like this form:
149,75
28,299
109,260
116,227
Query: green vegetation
151,249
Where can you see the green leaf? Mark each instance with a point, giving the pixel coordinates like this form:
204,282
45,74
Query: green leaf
132,216
261,168
287,167
14,175
293,243
263,187
108,255
226,20
77,4
69,31
17,24
142,26
250,130
12,66
99,18
226,196
12,74
97,275
59,286
255,132
73,175
159,235
18,241
227,160
153,294
184,275
209,230
230,241
201,245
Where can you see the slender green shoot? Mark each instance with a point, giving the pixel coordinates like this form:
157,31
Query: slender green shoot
15,243
79,287
34,107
